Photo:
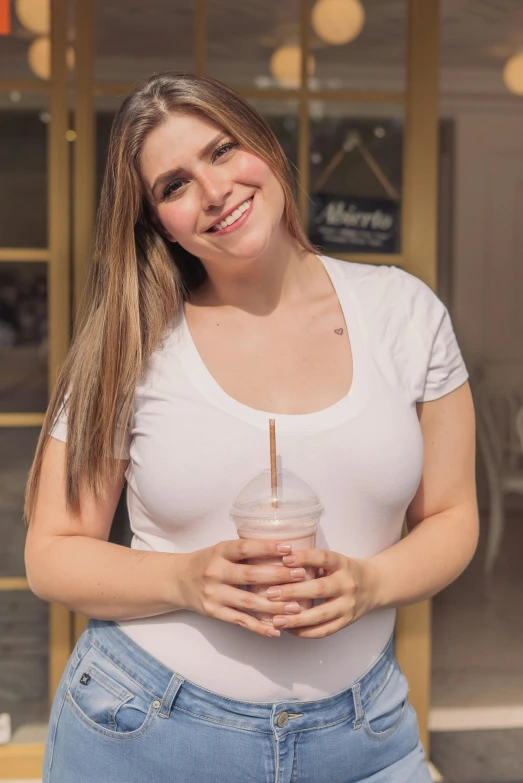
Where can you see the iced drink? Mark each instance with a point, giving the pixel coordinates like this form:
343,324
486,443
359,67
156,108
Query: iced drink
305,542
294,518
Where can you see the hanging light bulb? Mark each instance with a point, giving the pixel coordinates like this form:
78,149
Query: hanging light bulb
35,15
513,73
338,21
39,57
285,65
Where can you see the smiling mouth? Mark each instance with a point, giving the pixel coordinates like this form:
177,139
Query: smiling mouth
235,217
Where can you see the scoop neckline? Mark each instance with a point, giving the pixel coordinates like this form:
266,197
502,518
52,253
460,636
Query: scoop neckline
342,410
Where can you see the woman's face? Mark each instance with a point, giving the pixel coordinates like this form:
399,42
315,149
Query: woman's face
195,174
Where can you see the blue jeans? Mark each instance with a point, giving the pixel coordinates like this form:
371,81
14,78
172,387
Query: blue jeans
121,715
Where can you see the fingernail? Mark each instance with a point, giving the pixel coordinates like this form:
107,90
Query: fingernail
273,632
284,548
289,559
292,608
281,622
297,573
273,592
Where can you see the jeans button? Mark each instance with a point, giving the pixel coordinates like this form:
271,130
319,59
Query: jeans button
282,719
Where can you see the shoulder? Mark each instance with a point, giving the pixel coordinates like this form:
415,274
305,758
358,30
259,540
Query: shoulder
390,292
379,277
382,285
367,278
408,326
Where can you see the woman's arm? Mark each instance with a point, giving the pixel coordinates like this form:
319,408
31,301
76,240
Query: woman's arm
443,532
442,518
69,561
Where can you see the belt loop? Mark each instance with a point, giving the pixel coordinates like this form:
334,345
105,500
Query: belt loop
359,713
172,689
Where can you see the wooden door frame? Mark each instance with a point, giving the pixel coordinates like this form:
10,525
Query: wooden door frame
420,209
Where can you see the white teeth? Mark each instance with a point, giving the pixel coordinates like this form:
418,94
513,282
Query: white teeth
233,217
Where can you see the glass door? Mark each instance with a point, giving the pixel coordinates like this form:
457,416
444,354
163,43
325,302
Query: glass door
34,335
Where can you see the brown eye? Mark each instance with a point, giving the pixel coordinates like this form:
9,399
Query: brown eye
171,188
174,187
226,148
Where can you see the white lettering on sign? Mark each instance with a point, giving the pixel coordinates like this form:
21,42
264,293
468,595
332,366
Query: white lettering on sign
337,214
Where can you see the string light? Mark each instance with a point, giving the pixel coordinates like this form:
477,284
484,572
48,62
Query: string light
338,21
39,57
513,73
285,65
34,15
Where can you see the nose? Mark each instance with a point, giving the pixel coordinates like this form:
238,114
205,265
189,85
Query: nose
215,190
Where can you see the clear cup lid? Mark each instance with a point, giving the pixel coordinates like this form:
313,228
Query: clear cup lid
295,499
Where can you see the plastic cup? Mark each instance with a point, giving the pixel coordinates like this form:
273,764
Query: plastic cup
295,518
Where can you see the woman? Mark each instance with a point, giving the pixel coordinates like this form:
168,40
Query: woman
208,311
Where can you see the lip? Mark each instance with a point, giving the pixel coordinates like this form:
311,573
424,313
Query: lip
237,223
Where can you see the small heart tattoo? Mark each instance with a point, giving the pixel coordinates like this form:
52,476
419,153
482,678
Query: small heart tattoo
339,331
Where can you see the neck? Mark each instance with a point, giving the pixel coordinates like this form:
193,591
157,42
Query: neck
279,276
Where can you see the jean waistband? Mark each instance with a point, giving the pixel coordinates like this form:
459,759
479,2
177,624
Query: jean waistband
172,689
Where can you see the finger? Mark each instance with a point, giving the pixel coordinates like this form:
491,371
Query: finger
247,548
318,631
245,620
261,574
319,558
318,615
249,601
324,587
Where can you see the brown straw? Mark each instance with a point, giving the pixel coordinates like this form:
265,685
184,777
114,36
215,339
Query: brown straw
274,478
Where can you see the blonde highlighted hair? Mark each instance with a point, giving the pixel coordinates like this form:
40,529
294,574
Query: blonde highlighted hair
137,279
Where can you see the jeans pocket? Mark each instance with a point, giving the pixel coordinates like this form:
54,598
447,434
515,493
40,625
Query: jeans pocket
108,698
387,707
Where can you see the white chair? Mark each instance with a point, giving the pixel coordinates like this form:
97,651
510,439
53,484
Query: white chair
500,438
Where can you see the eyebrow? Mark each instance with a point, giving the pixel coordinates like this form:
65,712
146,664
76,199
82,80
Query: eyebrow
167,175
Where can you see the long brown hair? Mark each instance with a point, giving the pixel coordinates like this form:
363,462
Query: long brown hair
137,280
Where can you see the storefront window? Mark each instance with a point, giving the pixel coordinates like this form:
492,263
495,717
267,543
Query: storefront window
23,337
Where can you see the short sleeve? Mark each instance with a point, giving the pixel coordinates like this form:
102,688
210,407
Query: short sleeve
59,431
439,365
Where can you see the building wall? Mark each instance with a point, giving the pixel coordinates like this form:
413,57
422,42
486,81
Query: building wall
488,243
485,251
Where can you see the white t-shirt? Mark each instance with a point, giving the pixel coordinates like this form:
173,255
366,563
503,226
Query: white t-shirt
192,448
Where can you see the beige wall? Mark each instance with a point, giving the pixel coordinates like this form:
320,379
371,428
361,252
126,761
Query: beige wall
487,233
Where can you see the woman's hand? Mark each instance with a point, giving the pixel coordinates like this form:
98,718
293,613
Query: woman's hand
213,576
345,584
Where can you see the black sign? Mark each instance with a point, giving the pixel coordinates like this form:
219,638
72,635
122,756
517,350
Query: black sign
348,224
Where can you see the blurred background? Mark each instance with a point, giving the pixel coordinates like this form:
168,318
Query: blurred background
403,122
